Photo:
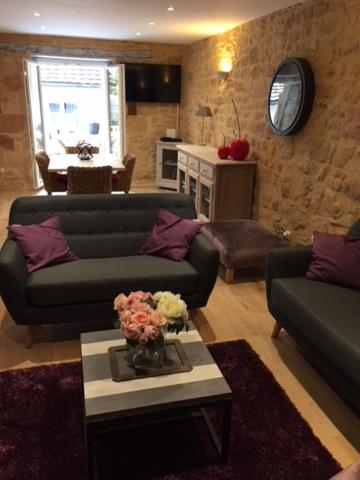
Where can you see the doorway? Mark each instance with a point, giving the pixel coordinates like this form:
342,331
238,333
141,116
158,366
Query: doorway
72,101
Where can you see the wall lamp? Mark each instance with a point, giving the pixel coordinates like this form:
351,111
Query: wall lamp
222,75
225,67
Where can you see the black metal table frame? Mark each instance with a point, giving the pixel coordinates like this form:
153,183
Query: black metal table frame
97,426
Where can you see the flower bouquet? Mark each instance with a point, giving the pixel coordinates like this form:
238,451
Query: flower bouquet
143,317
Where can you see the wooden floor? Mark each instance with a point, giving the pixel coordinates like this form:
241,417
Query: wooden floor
234,311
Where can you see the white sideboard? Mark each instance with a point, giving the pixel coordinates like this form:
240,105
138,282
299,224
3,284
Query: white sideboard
221,189
166,164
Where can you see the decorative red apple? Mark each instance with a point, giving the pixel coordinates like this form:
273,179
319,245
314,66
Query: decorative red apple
223,152
240,147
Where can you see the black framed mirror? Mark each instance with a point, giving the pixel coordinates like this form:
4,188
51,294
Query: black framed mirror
291,96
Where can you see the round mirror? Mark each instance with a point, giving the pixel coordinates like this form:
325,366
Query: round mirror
291,96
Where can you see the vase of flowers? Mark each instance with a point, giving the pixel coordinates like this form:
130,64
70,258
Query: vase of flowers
143,318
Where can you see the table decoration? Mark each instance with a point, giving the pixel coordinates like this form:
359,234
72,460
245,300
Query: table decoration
85,151
143,318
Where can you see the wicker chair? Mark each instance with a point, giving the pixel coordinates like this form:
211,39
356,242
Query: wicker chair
76,150
122,179
89,179
53,181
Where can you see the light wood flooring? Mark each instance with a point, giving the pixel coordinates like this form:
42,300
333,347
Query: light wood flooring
234,311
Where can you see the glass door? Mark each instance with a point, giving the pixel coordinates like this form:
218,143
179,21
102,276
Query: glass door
33,93
116,91
182,183
169,164
206,194
194,187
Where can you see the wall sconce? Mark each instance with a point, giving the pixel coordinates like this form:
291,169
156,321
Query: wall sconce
203,111
221,75
225,67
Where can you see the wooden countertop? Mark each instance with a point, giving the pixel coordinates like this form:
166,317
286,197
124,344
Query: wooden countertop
208,154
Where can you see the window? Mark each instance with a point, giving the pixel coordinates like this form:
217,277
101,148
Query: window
73,101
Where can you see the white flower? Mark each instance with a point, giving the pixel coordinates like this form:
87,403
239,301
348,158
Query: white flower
171,305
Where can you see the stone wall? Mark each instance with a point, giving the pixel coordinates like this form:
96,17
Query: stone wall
311,180
143,129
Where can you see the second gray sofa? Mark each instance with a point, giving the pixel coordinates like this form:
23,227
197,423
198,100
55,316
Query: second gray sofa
322,317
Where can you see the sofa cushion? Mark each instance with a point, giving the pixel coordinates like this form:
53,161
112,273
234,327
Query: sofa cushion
170,237
42,244
328,315
336,259
101,279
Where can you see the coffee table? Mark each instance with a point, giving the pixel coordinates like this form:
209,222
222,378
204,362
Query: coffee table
110,405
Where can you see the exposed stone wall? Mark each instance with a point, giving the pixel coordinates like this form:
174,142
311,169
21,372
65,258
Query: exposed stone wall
14,132
143,129
311,180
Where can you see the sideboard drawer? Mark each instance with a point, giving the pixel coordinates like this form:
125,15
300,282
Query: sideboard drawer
193,164
182,158
206,170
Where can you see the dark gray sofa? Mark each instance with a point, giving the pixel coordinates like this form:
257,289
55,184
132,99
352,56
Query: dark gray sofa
106,233
323,318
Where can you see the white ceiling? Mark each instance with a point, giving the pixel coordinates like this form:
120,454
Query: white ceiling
122,19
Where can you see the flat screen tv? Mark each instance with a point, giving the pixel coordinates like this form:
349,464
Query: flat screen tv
146,82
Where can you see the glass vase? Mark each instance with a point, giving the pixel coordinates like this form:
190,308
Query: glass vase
146,356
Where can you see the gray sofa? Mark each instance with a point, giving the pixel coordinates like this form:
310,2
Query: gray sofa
322,317
106,233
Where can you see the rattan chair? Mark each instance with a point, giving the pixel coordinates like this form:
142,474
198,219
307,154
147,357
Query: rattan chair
53,181
122,179
89,179
76,150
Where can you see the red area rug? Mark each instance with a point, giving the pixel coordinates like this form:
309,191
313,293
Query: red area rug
41,431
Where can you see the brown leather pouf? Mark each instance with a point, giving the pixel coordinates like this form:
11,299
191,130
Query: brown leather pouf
241,244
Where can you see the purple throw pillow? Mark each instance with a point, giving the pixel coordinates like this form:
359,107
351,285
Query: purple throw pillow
43,244
336,259
171,236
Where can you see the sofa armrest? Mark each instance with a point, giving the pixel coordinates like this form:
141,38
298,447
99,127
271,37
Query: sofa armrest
204,257
287,262
13,278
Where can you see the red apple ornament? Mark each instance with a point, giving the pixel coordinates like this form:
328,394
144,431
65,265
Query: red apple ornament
239,149
223,152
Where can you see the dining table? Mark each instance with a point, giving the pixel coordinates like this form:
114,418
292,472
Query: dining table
59,162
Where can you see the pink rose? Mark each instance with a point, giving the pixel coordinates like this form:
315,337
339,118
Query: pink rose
143,296
125,316
141,307
150,333
130,330
137,297
157,319
141,319
120,302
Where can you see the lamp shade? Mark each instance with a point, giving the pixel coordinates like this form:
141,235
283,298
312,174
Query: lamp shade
203,112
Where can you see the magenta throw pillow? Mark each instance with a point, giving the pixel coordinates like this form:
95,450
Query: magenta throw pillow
171,236
43,244
336,259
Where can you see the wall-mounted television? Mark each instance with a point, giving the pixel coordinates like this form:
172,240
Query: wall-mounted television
145,82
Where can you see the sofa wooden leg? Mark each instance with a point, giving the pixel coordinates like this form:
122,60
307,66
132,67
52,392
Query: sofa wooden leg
29,336
193,313
229,275
276,330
